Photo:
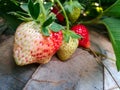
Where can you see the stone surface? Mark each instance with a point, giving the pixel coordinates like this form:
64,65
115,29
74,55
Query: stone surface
12,77
110,84
103,43
81,72
3,25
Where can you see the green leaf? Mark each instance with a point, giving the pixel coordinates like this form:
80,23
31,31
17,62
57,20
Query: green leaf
24,6
113,26
45,31
30,7
36,10
69,7
20,16
113,10
49,20
56,27
74,35
48,6
15,2
66,37
23,14
68,33
77,4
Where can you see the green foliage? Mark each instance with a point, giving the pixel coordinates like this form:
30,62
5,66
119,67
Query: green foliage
49,20
68,33
112,22
34,9
8,5
113,26
56,27
69,6
45,31
113,10
107,2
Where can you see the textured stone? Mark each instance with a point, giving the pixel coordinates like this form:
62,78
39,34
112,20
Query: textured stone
81,72
12,77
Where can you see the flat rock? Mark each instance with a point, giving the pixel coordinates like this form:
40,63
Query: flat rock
81,72
12,77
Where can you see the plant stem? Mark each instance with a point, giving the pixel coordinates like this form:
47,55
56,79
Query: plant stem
67,21
43,9
70,1
99,2
93,21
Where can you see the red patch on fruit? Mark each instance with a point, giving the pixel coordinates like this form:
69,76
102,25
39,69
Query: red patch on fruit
47,46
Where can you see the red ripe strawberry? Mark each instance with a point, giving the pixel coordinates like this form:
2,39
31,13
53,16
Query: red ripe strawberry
59,16
83,31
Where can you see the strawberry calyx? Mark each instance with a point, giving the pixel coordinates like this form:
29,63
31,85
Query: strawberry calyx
39,11
67,34
70,5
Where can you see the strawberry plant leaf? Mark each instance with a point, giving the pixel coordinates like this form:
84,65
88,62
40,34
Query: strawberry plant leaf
45,31
20,16
69,7
22,13
67,34
48,6
36,10
66,37
15,2
49,20
31,8
113,27
24,6
113,10
74,35
56,27
77,5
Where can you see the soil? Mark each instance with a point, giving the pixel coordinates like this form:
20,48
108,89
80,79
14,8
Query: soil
4,37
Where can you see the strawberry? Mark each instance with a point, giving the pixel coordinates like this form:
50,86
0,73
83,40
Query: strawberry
67,49
59,15
83,31
73,9
31,46
37,39
74,15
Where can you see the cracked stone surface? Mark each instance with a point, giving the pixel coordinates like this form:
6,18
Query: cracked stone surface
81,72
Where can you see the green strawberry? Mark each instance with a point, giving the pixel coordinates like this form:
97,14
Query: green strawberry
73,9
74,15
67,49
